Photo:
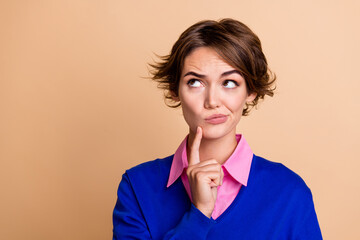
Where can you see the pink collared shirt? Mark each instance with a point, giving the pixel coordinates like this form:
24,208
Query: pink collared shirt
236,172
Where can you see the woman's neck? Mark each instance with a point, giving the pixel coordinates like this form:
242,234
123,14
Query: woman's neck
219,149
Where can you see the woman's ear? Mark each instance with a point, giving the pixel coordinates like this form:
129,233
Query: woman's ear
174,96
251,97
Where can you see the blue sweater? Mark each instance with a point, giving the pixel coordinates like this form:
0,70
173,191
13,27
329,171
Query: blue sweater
276,204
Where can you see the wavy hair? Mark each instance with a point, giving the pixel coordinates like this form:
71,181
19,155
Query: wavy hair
234,42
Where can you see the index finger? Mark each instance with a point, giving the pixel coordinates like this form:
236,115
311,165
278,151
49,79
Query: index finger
194,152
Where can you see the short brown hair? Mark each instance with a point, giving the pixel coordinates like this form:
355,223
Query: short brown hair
233,41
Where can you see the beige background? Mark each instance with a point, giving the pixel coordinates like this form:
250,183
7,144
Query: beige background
76,110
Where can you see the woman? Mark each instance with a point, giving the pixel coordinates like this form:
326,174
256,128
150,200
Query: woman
214,187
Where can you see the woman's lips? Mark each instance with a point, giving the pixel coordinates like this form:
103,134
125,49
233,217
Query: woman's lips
216,119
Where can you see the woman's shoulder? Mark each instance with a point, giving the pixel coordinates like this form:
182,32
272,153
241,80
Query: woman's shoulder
151,170
153,164
277,175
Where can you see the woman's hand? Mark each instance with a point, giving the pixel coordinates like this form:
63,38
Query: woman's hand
204,178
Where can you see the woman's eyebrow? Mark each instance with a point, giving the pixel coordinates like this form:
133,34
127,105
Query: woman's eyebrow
230,72
224,74
194,74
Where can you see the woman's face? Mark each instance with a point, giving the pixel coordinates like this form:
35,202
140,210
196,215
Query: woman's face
212,94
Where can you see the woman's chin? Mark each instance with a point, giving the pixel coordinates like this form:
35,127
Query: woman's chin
213,134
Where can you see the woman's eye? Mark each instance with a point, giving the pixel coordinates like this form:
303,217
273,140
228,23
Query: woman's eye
230,84
194,83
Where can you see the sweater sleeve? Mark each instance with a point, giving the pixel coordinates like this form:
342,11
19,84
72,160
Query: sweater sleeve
304,220
308,226
193,225
129,221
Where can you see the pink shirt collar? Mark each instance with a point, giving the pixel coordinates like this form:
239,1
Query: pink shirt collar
238,164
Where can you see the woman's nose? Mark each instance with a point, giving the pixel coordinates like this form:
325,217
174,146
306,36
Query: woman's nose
212,99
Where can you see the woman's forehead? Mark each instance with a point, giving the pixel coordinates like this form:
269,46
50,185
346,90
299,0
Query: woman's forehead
205,59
